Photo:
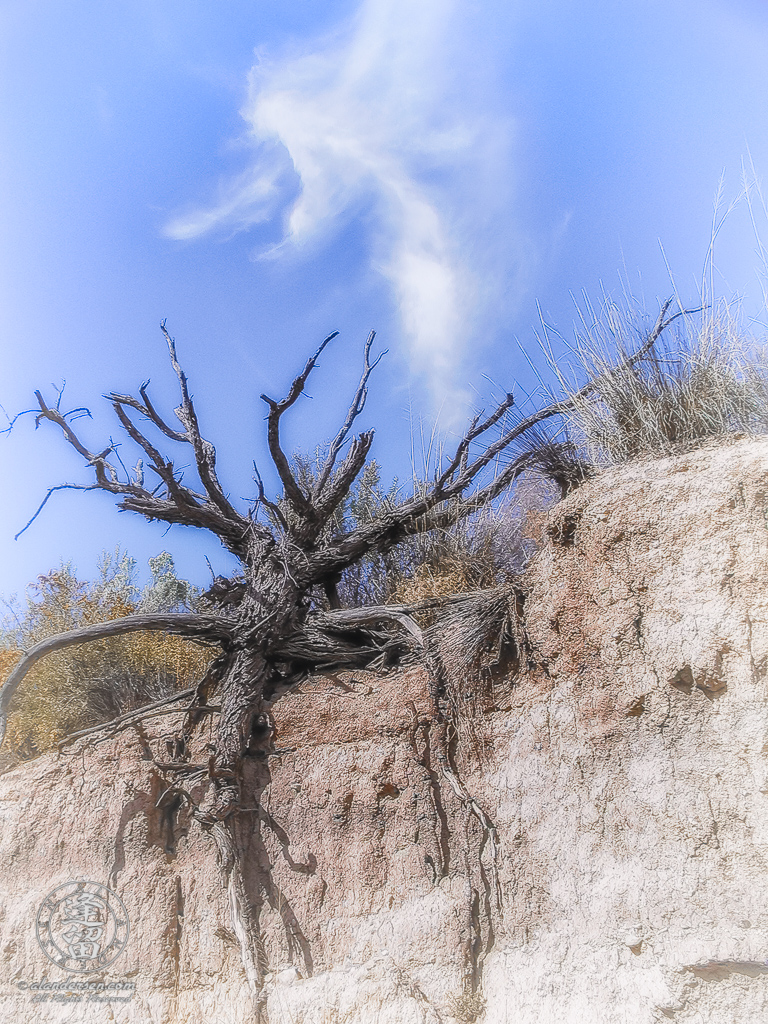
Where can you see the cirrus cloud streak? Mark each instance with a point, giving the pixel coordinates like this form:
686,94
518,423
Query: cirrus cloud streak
398,114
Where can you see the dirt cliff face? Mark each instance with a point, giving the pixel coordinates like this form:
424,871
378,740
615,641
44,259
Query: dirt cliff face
624,769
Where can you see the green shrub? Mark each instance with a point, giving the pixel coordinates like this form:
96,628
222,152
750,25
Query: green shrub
481,551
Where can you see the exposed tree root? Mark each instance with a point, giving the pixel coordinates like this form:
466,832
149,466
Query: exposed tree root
292,547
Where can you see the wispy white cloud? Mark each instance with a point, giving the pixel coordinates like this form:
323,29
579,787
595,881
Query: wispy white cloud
251,198
396,112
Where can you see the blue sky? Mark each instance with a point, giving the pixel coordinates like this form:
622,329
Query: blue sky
260,173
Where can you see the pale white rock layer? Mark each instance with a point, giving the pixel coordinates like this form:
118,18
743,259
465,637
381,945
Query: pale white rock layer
625,768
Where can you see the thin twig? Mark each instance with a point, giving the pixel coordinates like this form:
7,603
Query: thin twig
51,491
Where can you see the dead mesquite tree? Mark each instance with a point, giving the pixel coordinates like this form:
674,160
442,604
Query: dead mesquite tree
270,631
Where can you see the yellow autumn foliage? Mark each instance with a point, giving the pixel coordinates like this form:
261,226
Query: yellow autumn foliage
92,683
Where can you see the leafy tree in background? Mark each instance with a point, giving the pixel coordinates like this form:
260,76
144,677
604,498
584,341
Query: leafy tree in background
78,686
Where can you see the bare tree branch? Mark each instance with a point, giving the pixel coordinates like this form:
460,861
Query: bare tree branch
344,618
339,485
205,453
476,429
358,402
442,505
418,514
293,492
52,490
106,474
12,421
156,418
146,408
122,721
204,627
182,505
181,495
272,506
334,638
449,487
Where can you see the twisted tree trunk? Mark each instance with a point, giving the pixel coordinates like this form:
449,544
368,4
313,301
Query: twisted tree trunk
288,555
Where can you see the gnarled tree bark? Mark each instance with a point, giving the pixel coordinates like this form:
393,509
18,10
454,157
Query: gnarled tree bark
271,633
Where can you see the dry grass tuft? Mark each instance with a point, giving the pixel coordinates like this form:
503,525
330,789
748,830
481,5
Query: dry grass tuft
704,382
476,648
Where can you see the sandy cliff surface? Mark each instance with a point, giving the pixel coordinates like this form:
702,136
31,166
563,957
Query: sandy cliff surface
625,769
